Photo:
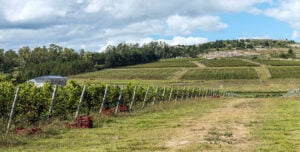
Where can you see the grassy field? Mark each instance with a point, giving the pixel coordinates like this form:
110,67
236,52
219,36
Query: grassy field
220,74
232,124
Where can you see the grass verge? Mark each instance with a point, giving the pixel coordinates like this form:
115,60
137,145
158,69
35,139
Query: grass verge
279,127
143,130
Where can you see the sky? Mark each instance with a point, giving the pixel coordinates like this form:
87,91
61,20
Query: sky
94,24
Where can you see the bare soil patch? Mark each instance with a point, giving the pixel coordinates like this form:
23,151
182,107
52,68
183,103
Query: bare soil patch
179,74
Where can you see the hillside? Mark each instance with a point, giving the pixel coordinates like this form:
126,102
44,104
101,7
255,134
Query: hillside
27,63
225,73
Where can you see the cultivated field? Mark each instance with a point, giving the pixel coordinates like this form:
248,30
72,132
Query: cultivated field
225,74
220,74
285,72
129,74
279,62
166,64
227,63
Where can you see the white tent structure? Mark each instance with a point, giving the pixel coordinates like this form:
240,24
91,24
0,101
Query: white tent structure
53,80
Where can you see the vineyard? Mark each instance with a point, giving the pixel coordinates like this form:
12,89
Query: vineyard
279,62
167,64
33,105
220,74
285,72
227,63
130,73
132,116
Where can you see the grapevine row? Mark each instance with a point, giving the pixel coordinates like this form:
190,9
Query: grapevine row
35,104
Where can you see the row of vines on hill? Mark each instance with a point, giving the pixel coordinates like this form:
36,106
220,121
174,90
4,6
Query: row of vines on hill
33,103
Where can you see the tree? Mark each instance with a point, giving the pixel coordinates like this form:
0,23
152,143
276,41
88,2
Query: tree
24,56
1,58
10,60
291,53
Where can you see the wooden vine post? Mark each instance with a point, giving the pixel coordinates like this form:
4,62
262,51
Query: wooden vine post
163,94
80,101
197,94
52,101
103,99
155,94
201,93
177,91
145,98
188,94
119,100
170,96
206,92
182,95
193,92
12,111
133,98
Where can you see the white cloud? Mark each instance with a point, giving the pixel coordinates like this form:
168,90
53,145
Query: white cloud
256,37
236,6
96,23
18,10
186,25
287,11
255,11
295,34
178,40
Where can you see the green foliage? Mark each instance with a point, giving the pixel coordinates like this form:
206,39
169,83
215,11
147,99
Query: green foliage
289,54
6,94
34,102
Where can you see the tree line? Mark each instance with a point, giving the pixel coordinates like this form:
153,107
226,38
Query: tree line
27,63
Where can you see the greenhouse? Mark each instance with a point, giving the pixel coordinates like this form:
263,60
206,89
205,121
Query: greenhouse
53,80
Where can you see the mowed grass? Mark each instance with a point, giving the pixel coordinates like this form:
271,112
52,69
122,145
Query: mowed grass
279,62
278,125
220,74
144,130
166,64
230,124
285,72
129,74
226,63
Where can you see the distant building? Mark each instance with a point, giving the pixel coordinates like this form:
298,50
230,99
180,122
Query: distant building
53,80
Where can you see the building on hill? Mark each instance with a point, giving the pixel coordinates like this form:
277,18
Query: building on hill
53,80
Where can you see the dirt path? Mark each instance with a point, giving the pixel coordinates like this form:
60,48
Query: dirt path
250,61
223,127
179,74
198,64
262,71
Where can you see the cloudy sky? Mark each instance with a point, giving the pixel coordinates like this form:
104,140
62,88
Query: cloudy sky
94,24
